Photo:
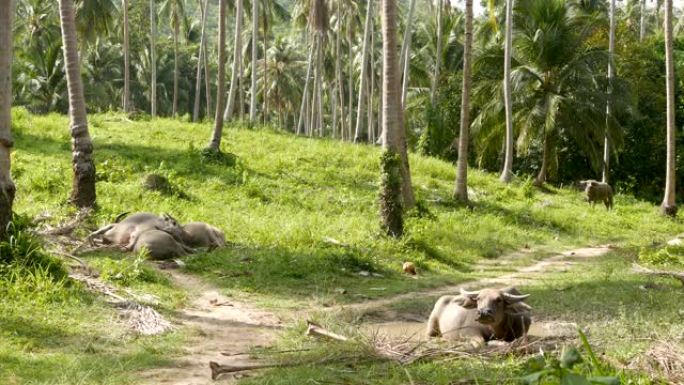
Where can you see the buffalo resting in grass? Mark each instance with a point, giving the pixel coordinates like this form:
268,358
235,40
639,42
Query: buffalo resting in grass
596,191
162,236
481,316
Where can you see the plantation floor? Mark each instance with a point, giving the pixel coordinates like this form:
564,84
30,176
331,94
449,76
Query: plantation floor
301,218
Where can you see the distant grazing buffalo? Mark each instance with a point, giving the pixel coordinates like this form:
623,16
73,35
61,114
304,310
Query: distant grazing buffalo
596,191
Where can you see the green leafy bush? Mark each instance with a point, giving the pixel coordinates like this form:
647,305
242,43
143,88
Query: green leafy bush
670,255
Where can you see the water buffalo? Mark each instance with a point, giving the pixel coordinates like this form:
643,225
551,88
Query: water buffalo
596,191
159,244
200,234
480,316
120,233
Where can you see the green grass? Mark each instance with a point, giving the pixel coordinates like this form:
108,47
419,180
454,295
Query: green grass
277,202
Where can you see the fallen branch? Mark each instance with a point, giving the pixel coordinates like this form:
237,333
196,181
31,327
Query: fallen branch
264,352
659,273
218,369
318,331
68,227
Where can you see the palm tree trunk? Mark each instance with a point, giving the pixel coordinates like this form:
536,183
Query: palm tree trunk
207,82
359,135
215,143
153,58
255,41
241,89
371,92
264,94
305,93
438,55
390,186
338,70
405,49
669,205
83,187
176,34
546,153
642,20
461,192
7,188
127,60
237,58
507,173
319,83
350,79
609,108
198,82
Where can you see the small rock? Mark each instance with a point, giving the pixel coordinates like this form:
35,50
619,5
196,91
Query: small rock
364,273
675,242
376,275
340,290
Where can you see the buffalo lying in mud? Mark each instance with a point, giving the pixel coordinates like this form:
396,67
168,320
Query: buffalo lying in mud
162,236
596,191
481,316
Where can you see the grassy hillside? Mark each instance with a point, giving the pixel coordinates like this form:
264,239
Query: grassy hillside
279,202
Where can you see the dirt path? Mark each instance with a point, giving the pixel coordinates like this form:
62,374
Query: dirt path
226,325
218,324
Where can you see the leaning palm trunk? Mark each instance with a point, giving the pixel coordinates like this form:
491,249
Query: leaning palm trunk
507,173
390,186
153,59
609,107
237,59
198,82
358,135
127,60
176,33
215,143
7,188
305,93
83,187
461,192
207,83
438,55
642,20
669,206
255,39
405,49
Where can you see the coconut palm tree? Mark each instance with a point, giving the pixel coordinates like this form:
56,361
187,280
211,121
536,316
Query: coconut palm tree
7,188
215,144
507,173
83,187
438,54
127,59
390,187
175,11
255,39
609,111
153,58
237,62
461,192
669,205
200,62
358,135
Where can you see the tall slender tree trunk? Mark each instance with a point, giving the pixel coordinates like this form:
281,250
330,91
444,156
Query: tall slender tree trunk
153,58
359,135
241,89
127,60
207,79
319,83
350,79
339,87
609,107
264,91
642,20
546,153
461,192
371,88
237,59
198,82
255,42
305,93
438,55
507,173
7,188
215,143
176,74
405,49
669,205
83,187
390,187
